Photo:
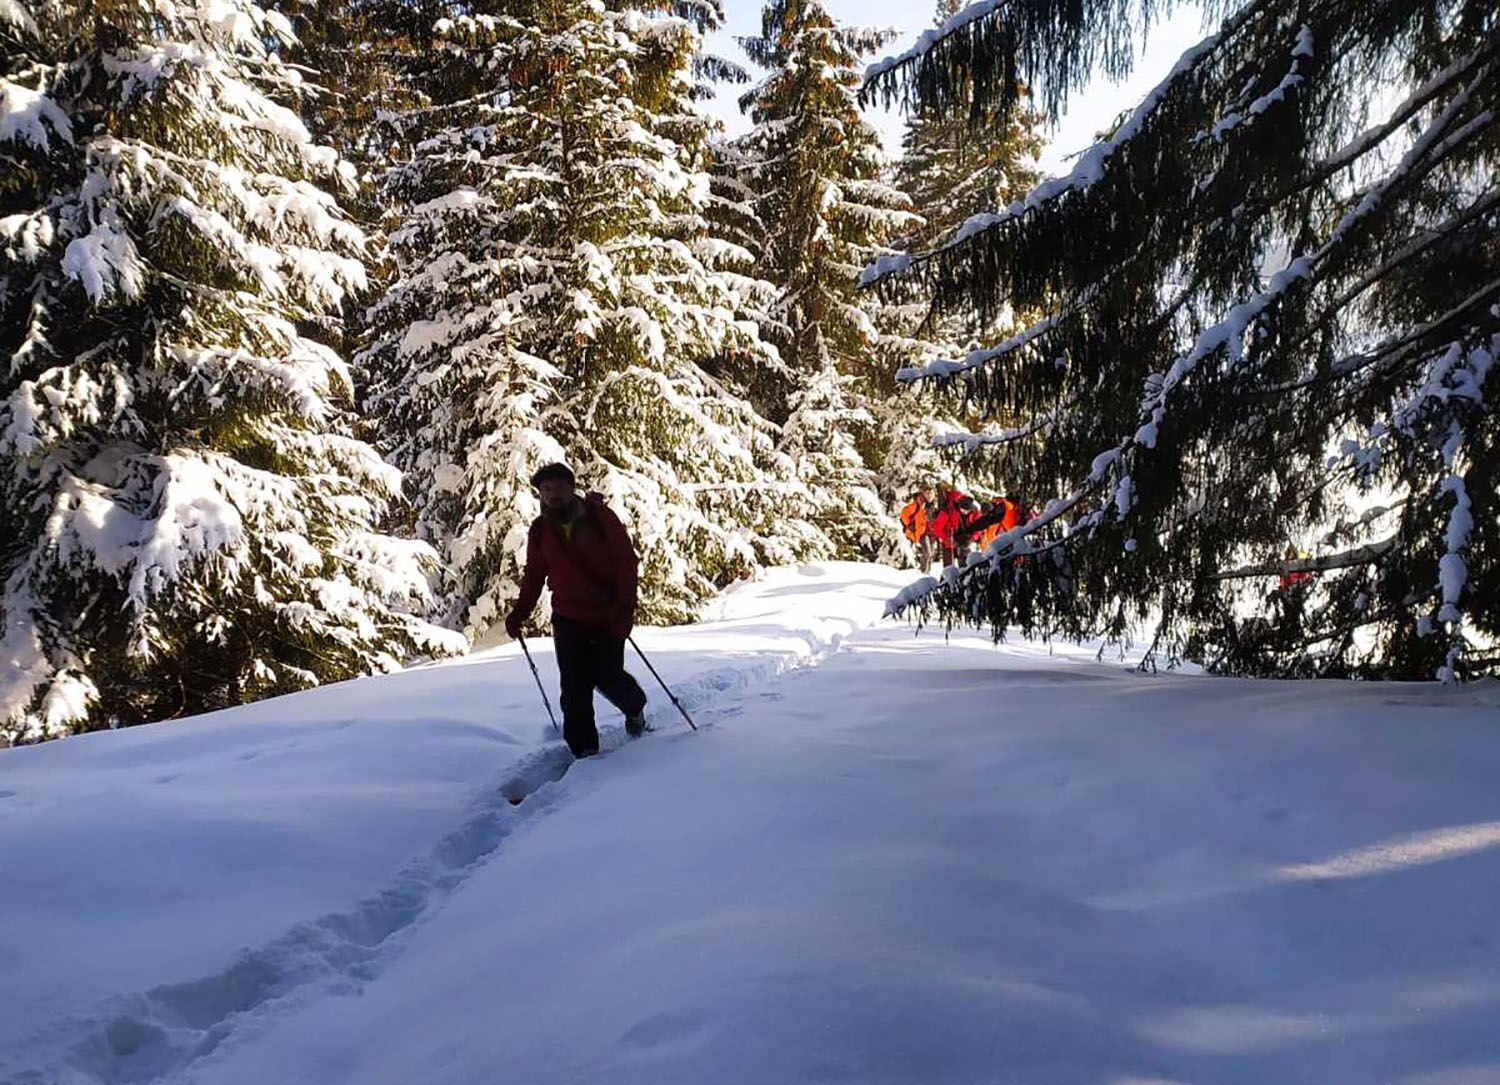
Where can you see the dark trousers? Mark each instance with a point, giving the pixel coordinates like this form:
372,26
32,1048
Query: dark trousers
590,657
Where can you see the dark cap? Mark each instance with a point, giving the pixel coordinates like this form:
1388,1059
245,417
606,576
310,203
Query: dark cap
554,471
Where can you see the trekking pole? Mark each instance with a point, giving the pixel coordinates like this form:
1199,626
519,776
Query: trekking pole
664,686
539,687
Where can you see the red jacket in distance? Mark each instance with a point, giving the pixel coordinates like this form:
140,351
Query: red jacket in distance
949,518
591,570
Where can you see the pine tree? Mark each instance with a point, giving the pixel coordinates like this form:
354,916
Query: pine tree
358,59
1272,300
186,520
563,295
814,167
954,166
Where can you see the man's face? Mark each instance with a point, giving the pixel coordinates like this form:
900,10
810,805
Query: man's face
557,496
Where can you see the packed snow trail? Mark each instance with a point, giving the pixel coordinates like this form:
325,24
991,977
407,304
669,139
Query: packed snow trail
954,863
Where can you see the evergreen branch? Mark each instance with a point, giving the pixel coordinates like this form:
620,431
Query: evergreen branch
1368,554
1091,165
972,442
1402,347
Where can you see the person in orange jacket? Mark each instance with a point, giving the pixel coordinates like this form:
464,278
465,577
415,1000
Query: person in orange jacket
916,525
1011,513
997,507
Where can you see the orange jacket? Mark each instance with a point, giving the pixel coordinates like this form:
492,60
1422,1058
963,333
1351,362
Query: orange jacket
990,534
1010,514
914,519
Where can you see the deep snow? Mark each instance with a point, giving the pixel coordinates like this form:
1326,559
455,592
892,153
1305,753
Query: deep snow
917,862
158,855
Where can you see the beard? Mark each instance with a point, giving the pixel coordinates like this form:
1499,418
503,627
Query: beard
560,510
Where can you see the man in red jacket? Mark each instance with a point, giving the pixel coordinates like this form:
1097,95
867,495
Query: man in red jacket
581,549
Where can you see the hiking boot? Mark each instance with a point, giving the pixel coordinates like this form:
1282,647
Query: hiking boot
635,726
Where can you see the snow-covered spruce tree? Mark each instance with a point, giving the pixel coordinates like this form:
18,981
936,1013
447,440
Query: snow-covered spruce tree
355,56
185,521
954,164
562,296
1273,307
814,167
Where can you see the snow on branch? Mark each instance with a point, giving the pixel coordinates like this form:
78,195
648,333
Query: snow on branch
972,442
1302,55
1359,555
930,38
1229,333
975,359
1086,172
30,117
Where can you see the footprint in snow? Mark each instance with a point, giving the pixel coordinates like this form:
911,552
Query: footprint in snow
662,1028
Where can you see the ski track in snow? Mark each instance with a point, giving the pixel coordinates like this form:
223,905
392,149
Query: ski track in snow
157,1034
145,1037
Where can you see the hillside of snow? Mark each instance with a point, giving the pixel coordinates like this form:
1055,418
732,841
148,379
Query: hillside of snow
883,858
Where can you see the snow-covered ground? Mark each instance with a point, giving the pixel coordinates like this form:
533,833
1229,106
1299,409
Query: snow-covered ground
917,862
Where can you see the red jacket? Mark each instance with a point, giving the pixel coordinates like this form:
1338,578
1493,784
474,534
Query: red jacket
592,574
949,518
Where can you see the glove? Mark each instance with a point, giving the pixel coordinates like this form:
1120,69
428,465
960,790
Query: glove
622,622
513,626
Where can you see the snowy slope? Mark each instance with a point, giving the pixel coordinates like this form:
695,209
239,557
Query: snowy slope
918,862
156,855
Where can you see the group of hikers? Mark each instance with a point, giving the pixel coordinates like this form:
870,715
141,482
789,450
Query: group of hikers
583,552
944,523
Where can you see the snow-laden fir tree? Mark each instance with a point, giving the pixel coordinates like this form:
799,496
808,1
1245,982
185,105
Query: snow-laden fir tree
814,166
1272,307
562,296
954,164
354,56
185,520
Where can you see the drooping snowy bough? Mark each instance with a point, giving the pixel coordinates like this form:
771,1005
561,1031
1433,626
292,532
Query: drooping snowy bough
1260,394
186,519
